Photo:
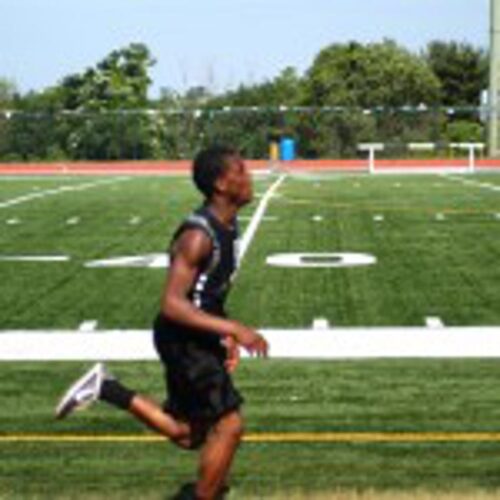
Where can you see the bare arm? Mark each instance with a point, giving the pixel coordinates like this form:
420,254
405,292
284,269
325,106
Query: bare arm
191,250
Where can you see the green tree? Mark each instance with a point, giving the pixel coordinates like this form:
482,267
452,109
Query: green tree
378,74
250,115
97,114
196,97
36,127
284,90
462,70
108,101
119,81
8,92
169,99
384,79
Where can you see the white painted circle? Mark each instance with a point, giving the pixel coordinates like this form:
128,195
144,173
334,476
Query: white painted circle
323,260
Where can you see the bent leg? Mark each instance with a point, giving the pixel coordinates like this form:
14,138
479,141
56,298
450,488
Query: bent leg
147,411
217,455
153,415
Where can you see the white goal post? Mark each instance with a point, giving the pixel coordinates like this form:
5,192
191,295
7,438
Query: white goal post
471,147
371,148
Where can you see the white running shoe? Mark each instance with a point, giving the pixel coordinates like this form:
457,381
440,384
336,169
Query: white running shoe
83,392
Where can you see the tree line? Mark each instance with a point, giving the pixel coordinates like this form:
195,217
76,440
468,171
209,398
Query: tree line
351,93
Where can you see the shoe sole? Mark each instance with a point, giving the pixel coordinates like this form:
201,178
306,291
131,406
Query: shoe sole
64,408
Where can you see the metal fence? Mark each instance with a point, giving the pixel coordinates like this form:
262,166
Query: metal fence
166,134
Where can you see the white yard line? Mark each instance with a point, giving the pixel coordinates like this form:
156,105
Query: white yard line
333,343
30,178
321,324
268,218
434,322
73,221
34,258
257,217
470,182
88,326
134,221
62,189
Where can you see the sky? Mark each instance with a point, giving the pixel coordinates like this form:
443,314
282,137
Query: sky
216,43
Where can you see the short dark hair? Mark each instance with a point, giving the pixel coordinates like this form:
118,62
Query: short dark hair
209,165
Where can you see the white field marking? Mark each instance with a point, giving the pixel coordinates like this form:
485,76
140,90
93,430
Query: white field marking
265,218
13,222
470,182
61,189
434,322
151,261
134,220
73,221
317,218
257,217
378,218
34,258
420,170
320,324
320,260
88,326
31,178
335,343
326,176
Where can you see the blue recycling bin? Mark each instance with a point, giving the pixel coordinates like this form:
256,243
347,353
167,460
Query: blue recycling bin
287,149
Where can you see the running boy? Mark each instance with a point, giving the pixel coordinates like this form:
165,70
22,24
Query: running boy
197,343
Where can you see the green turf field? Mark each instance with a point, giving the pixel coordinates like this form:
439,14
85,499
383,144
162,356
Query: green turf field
410,396
437,246
426,266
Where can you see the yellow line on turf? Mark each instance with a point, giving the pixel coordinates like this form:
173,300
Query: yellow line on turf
289,437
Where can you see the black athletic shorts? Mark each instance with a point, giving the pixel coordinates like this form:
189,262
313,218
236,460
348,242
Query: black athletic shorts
199,388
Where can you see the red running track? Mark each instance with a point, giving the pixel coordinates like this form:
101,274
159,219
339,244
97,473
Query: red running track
166,167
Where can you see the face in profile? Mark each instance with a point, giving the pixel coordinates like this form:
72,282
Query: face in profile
236,181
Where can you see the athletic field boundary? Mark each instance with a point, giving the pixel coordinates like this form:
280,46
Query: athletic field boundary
61,189
257,218
312,343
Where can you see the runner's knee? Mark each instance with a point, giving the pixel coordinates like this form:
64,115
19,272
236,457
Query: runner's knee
232,426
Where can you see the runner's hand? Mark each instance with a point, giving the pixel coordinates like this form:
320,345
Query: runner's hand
233,354
251,340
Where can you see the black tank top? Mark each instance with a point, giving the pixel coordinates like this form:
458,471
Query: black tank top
213,282
214,278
